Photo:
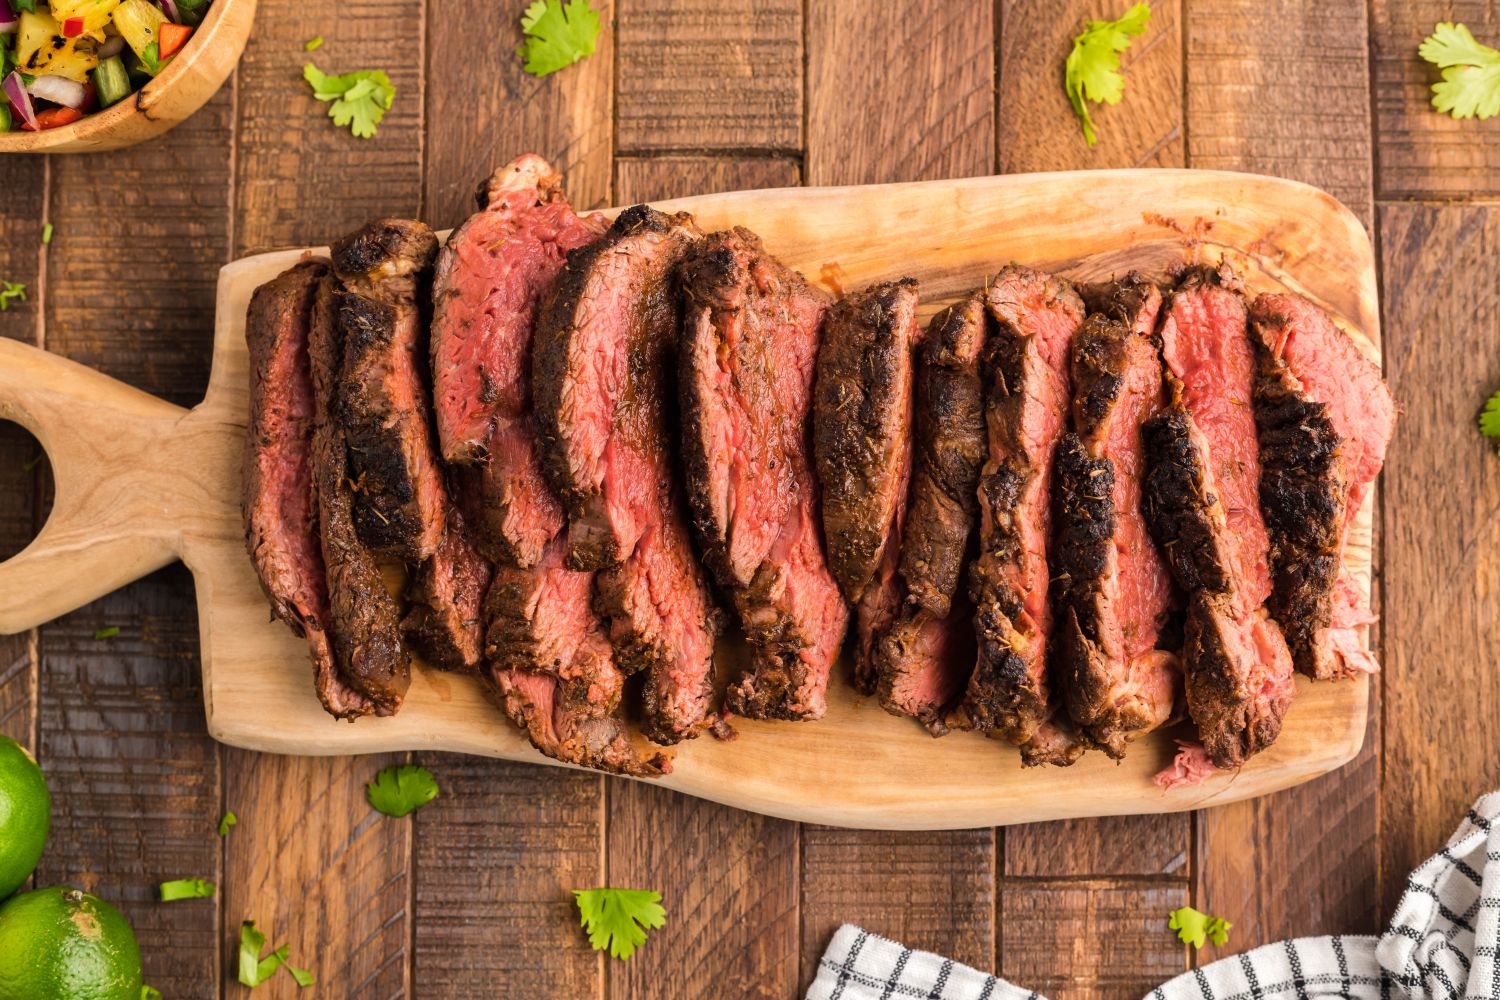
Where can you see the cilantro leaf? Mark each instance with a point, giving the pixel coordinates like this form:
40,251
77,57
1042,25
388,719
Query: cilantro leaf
229,820
47,234
1193,927
360,99
150,993
399,791
1470,87
151,59
186,888
618,919
557,36
1489,417
107,632
303,977
1093,68
12,290
313,44
27,5
255,970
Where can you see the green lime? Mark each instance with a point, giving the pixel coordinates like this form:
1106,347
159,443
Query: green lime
63,944
25,815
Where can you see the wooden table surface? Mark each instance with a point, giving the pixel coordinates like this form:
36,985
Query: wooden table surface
471,896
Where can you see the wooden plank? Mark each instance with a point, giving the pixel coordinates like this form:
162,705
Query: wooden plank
917,102
1090,940
301,179
1112,846
729,878
1248,109
481,119
1423,153
1038,130
710,75
1249,105
1441,275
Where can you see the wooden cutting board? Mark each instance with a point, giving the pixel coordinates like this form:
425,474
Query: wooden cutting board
141,482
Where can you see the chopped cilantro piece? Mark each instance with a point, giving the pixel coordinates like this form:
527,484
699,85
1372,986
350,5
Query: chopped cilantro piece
20,5
229,820
1193,927
151,58
186,888
401,790
360,100
107,632
150,993
618,919
1093,67
303,977
255,970
33,461
47,234
1470,87
557,36
12,290
313,44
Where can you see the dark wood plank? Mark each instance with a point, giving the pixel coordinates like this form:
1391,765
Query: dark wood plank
1038,130
1423,153
1112,846
710,75
484,111
1248,109
302,179
1250,103
135,777
907,95
1090,941
728,877
1441,274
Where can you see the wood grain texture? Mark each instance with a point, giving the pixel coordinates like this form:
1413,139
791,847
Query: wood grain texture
1102,847
1442,590
481,119
709,75
658,178
1038,130
906,95
1423,153
1254,104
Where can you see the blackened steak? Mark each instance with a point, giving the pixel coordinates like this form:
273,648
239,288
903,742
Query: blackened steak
1112,585
400,507
1203,506
745,370
1027,392
281,521
487,286
444,624
861,424
604,363
363,619
1325,418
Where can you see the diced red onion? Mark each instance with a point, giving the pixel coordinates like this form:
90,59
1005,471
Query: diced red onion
169,7
15,91
59,90
8,18
113,45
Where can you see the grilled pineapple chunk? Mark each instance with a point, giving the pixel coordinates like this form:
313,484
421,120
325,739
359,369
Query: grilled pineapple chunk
41,49
138,21
95,13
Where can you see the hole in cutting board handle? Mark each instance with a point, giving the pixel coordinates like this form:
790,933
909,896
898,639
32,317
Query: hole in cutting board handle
25,488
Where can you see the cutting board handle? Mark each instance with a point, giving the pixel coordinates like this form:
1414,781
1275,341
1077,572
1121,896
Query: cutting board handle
114,518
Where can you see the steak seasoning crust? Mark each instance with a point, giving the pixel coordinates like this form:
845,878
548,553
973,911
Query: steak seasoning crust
281,520
1027,390
750,335
1203,506
604,361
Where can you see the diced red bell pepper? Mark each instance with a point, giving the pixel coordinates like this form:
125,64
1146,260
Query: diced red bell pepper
72,27
54,118
170,38
90,97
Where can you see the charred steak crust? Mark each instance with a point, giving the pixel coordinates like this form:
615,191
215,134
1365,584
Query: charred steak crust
862,401
382,399
745,369
444,624
363,619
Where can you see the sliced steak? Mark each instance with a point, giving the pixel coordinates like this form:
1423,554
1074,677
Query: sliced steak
281,519
487,286
363,618
1027,392
745,370
861,423
1113,587
922,662
444,624
539,705
604,363
400,508
1325,418
1203,507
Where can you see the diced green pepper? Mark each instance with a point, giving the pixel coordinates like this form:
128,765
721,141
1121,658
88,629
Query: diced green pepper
4,116
111,82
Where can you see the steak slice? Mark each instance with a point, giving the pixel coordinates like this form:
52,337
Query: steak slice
1113,586
923,661
604,360
745,370
487,286
1325,418
1027,389
400,507
281,518
1203,507
363,618
861,423
444,623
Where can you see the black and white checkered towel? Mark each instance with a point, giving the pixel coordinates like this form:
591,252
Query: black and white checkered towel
1442,945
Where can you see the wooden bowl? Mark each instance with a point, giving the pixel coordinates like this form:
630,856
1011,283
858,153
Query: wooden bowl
193,76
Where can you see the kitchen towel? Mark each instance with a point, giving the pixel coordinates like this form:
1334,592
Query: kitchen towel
1442,945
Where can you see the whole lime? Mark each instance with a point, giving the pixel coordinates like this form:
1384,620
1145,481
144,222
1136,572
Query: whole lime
25,815
63,944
